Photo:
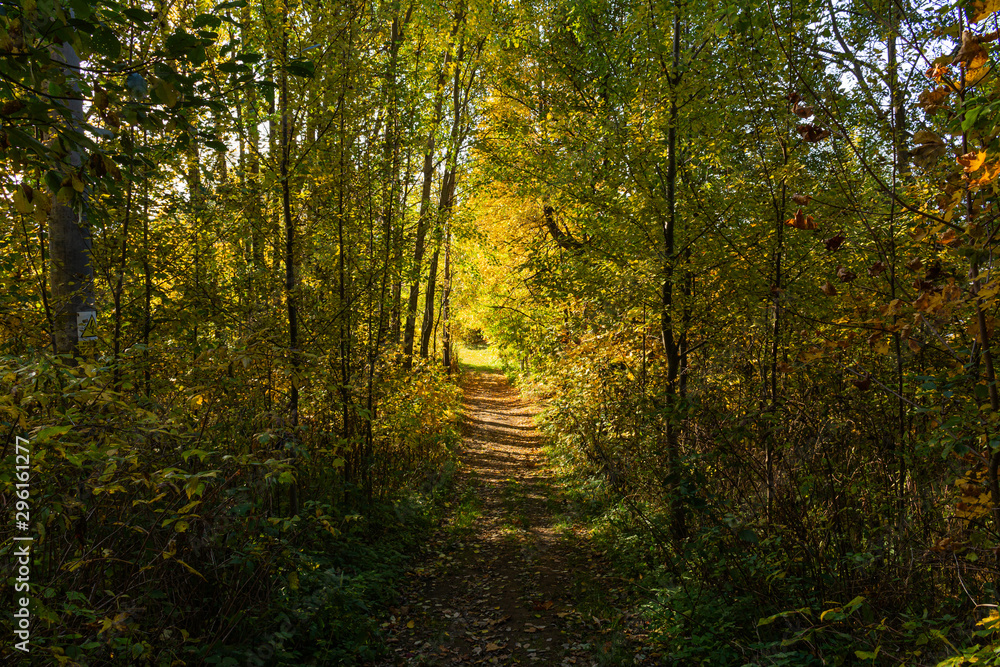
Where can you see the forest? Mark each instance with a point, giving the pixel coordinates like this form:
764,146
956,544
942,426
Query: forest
739,254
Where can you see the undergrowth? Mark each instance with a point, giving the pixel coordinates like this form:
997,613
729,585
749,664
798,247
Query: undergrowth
698,604
186,527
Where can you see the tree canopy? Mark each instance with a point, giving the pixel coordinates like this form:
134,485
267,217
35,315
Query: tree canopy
745,251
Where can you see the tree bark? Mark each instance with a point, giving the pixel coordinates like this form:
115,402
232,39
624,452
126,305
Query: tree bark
424,220
71,274
668,335
446,303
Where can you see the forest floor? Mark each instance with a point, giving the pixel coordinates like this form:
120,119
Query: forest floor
510,577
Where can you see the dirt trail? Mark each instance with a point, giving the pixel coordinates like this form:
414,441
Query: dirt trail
504,578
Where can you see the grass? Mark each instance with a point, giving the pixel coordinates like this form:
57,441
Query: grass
468,511
478,358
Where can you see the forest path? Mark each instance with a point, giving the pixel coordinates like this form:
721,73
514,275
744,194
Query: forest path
507,579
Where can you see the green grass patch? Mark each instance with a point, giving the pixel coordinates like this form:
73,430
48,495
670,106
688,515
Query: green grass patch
480,358
467,512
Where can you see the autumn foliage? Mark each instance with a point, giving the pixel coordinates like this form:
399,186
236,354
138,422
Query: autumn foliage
775,345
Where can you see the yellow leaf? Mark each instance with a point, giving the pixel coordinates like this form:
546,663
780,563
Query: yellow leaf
972,161
983,8
990,173
190,569
894,307
835,610
293,581
977,66
811,354
21,202
410,624
992,621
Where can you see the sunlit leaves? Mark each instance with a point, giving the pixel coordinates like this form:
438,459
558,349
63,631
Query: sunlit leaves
801,221
983,9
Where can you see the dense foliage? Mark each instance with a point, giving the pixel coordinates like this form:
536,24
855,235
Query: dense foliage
748,252
233,470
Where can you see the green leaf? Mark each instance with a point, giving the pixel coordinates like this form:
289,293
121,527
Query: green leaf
180,42
105,42
203,20
50,432
138,15
19,138
303,68
232,67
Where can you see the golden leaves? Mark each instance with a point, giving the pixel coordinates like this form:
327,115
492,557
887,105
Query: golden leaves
880,344
978,68
972,161
801,221
973,58
938,71
983,8
990,174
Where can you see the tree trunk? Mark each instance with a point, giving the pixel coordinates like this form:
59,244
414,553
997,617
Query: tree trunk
668,335
71,274
446,303
291,296
423,222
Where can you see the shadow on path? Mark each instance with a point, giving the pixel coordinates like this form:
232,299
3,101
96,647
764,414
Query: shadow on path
498,587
